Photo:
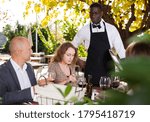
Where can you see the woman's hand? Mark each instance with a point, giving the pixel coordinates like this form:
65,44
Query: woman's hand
72,78
51,76
50,79
42,82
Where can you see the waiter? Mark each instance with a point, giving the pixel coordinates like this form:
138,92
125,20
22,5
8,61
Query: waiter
98,37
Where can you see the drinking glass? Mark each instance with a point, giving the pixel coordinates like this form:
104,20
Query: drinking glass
104,84
51,76
115,82
42,81
81,81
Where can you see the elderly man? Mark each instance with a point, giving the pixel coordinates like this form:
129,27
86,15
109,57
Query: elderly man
17,78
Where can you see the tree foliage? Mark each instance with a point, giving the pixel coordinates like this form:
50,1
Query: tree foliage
48,39
129,16
10,33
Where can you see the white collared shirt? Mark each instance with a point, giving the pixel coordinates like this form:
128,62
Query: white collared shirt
21,74
83,36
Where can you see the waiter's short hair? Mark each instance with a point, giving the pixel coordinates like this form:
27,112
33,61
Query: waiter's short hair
95,4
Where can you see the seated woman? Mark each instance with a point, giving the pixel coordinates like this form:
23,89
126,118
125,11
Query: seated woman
62,66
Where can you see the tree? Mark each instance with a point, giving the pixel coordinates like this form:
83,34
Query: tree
129,16
10,33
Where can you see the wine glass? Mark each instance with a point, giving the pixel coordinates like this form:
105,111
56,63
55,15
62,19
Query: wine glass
51,76
42,81
104,84
81,81
115,82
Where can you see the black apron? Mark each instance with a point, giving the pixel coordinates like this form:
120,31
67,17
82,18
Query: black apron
98,59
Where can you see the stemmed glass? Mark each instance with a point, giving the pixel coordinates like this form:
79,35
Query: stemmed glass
115,82
51,76
81,81
104,84
42,81
46,78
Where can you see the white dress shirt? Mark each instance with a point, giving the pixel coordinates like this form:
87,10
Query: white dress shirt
83,36
21,74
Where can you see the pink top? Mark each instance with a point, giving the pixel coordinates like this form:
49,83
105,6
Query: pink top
59,76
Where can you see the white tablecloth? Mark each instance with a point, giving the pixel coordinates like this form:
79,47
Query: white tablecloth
49,94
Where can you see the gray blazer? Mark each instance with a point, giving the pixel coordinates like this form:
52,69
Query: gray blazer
10,89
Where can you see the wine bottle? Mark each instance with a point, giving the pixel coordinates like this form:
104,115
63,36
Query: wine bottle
89,87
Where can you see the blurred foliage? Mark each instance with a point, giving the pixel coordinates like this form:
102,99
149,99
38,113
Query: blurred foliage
73,99
9,32
136,73
126,14
82,51
40,43
148,31
142,37
69,29
136,8
20,30
113,98
48,39
52,9
65,94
